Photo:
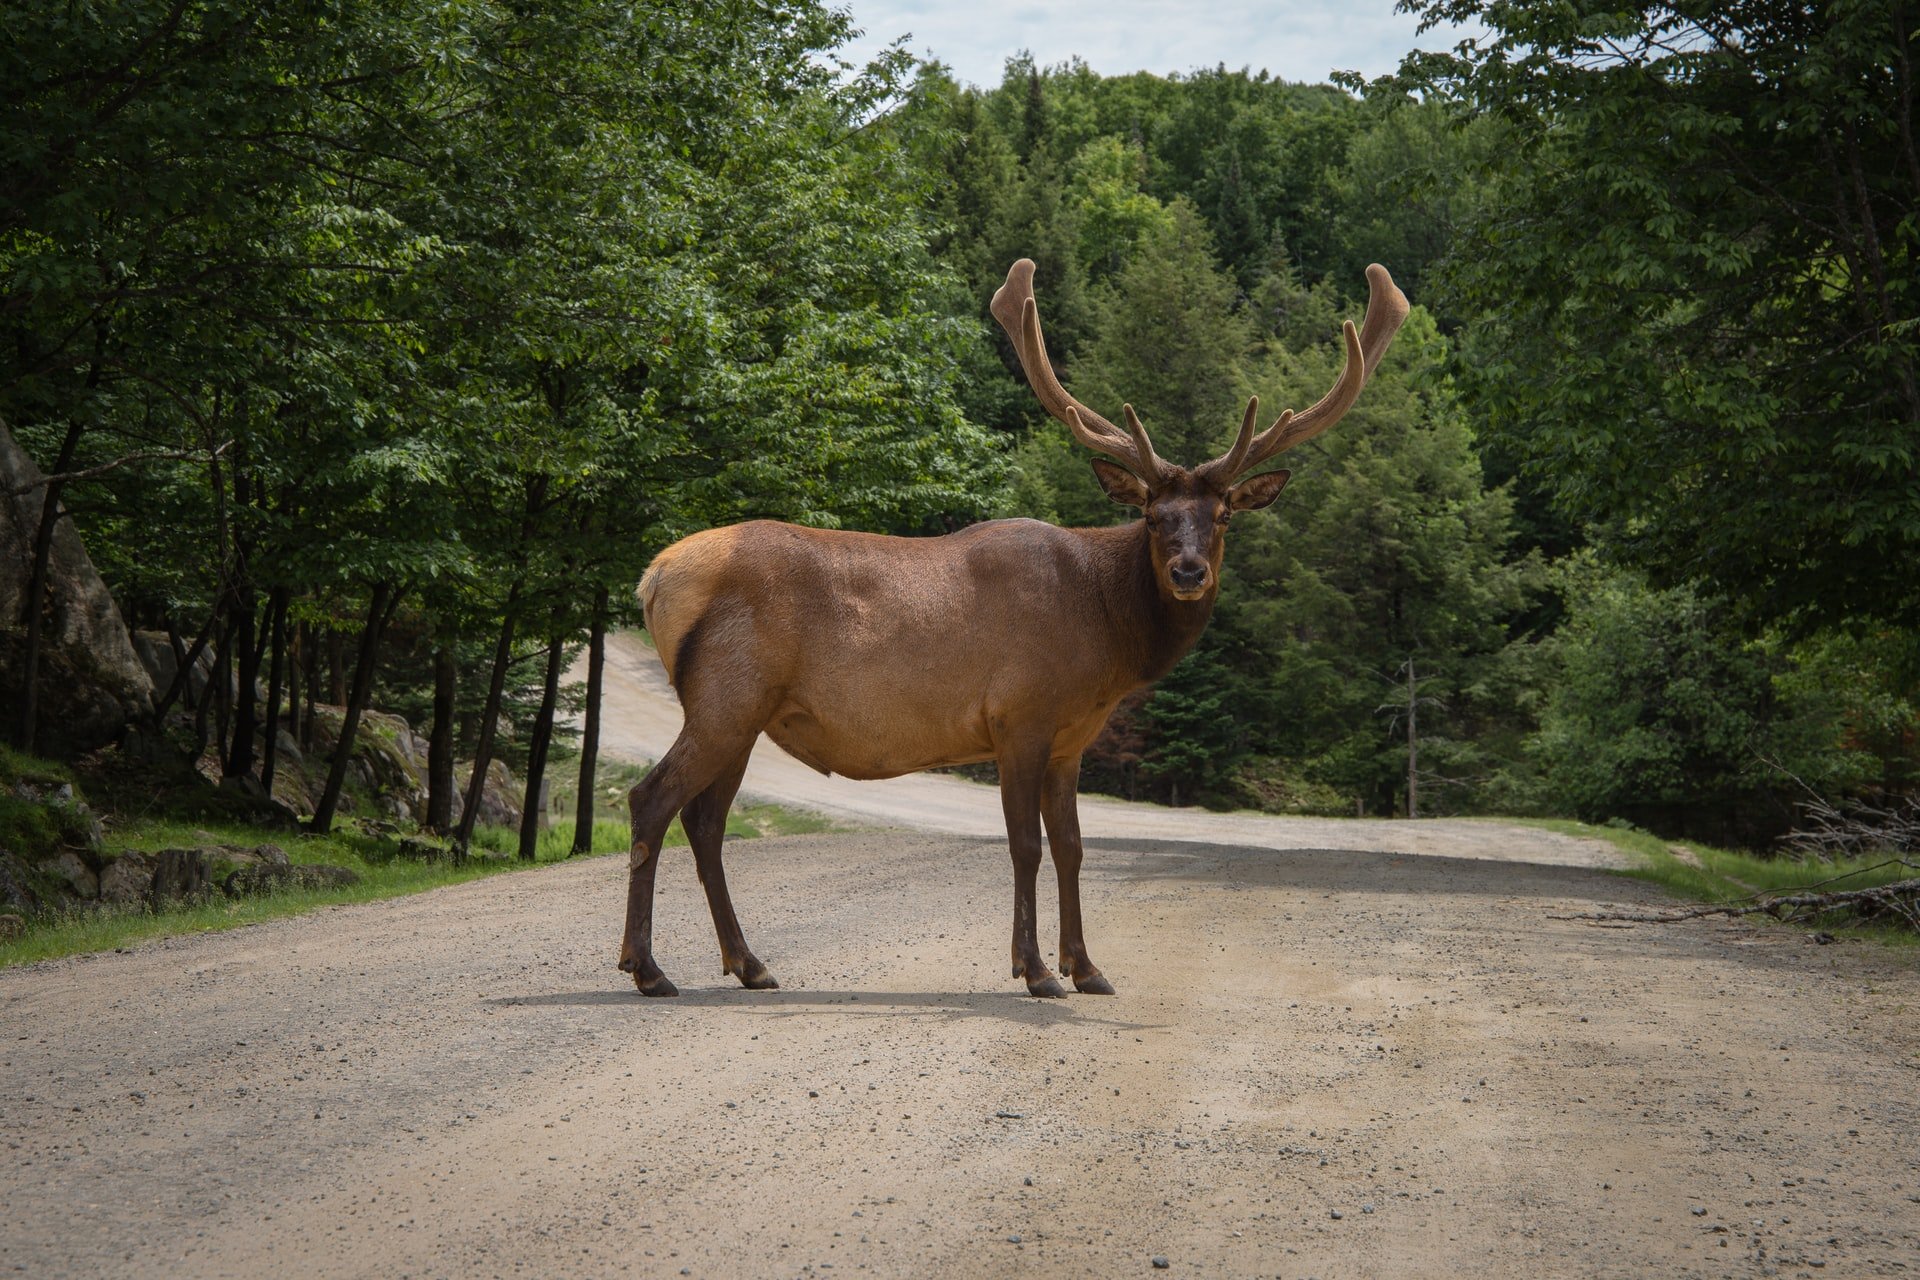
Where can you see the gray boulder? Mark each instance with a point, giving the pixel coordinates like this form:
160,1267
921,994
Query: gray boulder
92,683
265,877
127,880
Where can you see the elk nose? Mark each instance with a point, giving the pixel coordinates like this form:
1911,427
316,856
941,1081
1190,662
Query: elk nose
1186,577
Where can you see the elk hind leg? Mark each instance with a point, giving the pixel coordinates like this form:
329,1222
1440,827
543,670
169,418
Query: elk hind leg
705,819
725,710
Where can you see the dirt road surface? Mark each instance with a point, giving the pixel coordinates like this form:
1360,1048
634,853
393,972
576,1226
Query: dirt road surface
1322,1061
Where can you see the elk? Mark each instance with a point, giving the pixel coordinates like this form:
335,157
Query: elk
1009,641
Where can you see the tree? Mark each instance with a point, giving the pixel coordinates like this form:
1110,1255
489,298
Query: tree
1695,306
1656,710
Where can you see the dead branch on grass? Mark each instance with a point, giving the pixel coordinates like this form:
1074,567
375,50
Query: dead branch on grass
1897,901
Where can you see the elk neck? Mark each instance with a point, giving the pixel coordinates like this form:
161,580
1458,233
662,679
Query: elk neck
1158,629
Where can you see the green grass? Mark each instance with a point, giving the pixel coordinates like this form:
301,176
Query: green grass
383,874
1729,876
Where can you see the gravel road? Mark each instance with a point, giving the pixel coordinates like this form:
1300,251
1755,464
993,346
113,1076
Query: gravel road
1323,1061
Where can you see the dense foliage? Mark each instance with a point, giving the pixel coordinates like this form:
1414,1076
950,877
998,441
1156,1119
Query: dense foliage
375,349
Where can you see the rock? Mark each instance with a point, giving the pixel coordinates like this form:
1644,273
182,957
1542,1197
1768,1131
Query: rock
127,880
11,927
71,870
16,891
421,850
389,759
192,873
181,875
155,651
1160,1263
499,799
265,877
92,684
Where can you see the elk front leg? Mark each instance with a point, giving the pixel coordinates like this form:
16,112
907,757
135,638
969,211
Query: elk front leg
1060,808
1020,783
705,819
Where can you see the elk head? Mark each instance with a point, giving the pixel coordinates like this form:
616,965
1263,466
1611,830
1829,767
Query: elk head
1187,511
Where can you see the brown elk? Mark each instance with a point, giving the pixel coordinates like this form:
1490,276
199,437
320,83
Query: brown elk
1010,641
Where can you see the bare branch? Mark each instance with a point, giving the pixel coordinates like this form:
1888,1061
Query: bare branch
88,473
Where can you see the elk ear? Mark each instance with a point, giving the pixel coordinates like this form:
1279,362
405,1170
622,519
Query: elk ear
1258,491
1121,485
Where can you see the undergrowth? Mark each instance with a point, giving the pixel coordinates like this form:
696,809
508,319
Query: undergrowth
373,855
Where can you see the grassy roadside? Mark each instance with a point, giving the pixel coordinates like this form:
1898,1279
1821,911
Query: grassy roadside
383,874
1711,875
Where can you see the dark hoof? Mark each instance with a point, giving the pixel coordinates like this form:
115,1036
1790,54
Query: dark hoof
756,978
1097,985
1047,988
658,985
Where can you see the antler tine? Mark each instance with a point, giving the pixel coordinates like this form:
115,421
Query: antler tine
1386,312
1231,463
1014,307
1142,445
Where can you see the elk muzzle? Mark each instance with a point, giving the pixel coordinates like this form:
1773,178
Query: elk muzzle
1189,578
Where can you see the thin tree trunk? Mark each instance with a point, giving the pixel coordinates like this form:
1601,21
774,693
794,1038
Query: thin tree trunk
385,599
532,810
1413,742
293,679
27,725
184,662
336,668
312,650
440,745
483,749
276,672
590,727
245,658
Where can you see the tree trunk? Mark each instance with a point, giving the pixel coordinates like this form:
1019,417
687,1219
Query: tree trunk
276,672
27,726
532,811
483,749
293,678
1413,743
440,745
312,651
222,698
184,661
245,657
590,727
336,668
385,599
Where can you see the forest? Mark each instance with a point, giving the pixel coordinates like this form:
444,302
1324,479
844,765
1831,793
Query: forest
374,350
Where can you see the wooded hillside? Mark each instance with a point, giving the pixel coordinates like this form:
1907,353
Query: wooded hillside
374,350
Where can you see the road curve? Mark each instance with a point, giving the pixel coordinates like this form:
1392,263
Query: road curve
642,717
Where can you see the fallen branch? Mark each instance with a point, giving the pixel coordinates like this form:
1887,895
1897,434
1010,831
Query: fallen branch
1901,899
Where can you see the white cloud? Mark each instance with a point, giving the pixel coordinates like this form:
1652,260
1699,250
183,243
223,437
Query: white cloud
1295,41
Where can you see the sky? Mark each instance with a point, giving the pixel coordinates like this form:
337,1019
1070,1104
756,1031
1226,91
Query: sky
1300,40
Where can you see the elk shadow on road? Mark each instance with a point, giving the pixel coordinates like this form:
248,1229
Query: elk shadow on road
788,1002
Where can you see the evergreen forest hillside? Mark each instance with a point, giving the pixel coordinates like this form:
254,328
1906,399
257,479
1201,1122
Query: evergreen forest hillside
372,351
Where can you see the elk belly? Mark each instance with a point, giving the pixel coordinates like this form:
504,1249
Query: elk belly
876,740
